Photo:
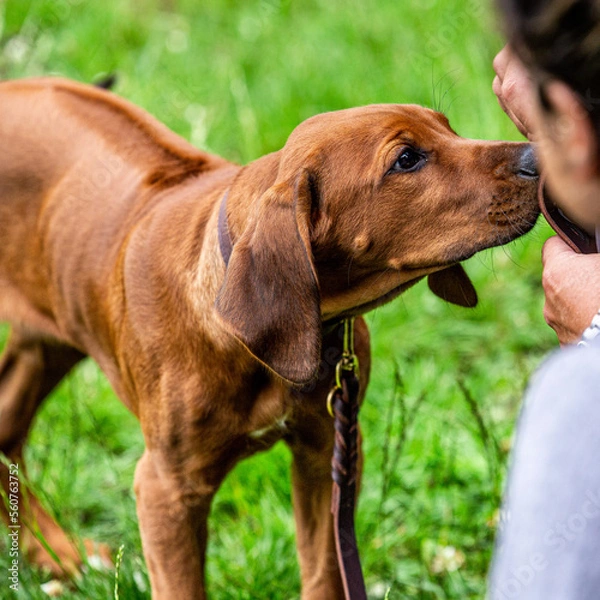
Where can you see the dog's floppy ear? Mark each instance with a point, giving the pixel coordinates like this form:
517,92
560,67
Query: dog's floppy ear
453,285
270,297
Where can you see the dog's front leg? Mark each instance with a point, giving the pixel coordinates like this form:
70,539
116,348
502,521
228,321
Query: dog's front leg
311,442
311,481
173,526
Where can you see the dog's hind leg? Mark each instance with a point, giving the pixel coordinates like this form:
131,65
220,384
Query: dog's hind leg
29,371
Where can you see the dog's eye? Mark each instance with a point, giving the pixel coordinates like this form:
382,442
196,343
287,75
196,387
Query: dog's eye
409,160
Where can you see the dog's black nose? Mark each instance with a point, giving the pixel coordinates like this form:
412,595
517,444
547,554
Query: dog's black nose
528,167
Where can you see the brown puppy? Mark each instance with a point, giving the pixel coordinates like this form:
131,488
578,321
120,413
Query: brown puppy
110,248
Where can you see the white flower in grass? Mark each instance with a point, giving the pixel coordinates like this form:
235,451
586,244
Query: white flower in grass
53,588
447,559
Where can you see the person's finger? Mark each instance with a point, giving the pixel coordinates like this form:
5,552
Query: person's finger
553,247
497,88
501,61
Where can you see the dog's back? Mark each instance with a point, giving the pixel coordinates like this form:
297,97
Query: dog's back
75,160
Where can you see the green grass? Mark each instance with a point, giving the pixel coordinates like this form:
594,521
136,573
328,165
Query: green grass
235,78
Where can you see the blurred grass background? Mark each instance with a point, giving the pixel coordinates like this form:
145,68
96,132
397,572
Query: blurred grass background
235,78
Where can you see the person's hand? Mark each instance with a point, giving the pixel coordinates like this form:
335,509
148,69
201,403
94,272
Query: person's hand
572,287
514,88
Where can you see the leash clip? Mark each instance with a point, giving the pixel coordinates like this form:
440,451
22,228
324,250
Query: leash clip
348,363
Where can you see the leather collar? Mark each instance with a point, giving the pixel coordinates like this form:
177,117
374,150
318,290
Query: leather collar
225,242
573,235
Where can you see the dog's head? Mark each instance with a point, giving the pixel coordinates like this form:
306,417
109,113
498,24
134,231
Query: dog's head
358,206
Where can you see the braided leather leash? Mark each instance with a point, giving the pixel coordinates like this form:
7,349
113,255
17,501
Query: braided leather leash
342,404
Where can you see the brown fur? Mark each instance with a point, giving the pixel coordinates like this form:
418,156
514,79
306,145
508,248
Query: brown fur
109,249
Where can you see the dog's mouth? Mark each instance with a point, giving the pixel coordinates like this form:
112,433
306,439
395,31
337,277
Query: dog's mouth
506,226
434,266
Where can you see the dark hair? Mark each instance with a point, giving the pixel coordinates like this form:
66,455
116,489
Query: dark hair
559,39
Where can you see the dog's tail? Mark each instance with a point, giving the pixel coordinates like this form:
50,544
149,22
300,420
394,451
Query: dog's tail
106,82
